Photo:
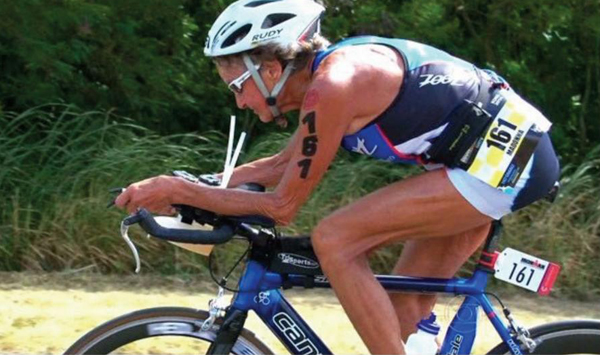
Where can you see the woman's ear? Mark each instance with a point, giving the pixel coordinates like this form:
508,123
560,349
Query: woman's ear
272,69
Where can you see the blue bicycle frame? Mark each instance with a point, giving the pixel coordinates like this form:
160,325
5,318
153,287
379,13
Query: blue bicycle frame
259,291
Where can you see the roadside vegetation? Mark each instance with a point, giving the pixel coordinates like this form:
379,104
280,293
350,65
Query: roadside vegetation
98,94
59,163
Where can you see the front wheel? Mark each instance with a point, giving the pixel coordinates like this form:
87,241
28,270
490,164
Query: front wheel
161,330
571,337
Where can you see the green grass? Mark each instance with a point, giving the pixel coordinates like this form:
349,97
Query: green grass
58,164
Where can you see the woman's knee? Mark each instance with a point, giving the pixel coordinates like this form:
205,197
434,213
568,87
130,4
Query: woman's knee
323,239
330,242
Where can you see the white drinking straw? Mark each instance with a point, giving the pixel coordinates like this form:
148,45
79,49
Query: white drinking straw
230,142
229,168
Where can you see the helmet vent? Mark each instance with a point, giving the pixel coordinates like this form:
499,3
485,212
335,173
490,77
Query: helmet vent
275,19
259,3
225,27
236,36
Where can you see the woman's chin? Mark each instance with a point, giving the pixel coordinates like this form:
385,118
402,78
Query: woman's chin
265,117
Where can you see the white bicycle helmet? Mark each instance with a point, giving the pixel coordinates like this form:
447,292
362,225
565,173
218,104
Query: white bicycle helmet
247,24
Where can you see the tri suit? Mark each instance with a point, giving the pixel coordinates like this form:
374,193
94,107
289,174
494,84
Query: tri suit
435,86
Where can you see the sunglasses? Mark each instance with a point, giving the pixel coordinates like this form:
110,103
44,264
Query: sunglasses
236,84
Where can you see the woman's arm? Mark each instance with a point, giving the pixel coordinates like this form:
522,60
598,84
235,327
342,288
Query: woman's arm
323,122
321,128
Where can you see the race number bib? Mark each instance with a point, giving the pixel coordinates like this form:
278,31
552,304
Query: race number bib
508,144
526,271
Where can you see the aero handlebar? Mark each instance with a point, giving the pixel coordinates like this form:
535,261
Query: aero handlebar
225,227
221,234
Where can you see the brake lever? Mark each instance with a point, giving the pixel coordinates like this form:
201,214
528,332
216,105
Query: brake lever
124,228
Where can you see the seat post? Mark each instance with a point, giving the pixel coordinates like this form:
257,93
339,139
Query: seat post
489,254
491,243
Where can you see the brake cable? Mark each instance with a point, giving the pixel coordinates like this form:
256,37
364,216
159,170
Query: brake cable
223,282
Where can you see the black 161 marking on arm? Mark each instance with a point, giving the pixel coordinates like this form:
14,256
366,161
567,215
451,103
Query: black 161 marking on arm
309,144
305,165
309,119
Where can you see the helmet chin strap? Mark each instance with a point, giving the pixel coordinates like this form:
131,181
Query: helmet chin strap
271,98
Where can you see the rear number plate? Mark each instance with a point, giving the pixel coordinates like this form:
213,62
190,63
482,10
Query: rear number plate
526,271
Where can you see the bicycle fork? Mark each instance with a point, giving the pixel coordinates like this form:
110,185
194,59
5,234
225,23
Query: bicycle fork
228,333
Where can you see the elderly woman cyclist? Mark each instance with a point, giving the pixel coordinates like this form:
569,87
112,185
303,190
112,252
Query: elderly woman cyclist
486,151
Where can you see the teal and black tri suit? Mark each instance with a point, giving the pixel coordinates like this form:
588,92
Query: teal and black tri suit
435,85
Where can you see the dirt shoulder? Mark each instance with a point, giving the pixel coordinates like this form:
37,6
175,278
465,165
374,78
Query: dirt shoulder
45,313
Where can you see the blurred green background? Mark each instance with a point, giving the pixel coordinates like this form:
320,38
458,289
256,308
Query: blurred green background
96,94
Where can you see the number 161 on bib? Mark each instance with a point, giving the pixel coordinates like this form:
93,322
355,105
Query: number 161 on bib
526,271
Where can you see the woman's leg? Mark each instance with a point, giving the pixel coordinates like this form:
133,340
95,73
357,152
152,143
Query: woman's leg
421,207
449,254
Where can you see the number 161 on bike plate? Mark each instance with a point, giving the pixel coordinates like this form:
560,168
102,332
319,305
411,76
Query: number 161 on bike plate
526,271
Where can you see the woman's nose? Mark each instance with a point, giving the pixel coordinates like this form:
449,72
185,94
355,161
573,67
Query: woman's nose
239,100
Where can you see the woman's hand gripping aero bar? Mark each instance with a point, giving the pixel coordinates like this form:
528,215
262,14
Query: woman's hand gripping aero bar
181,229
225,227
223,230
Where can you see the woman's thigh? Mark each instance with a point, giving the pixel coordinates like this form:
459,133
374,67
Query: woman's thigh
439,257
421,207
